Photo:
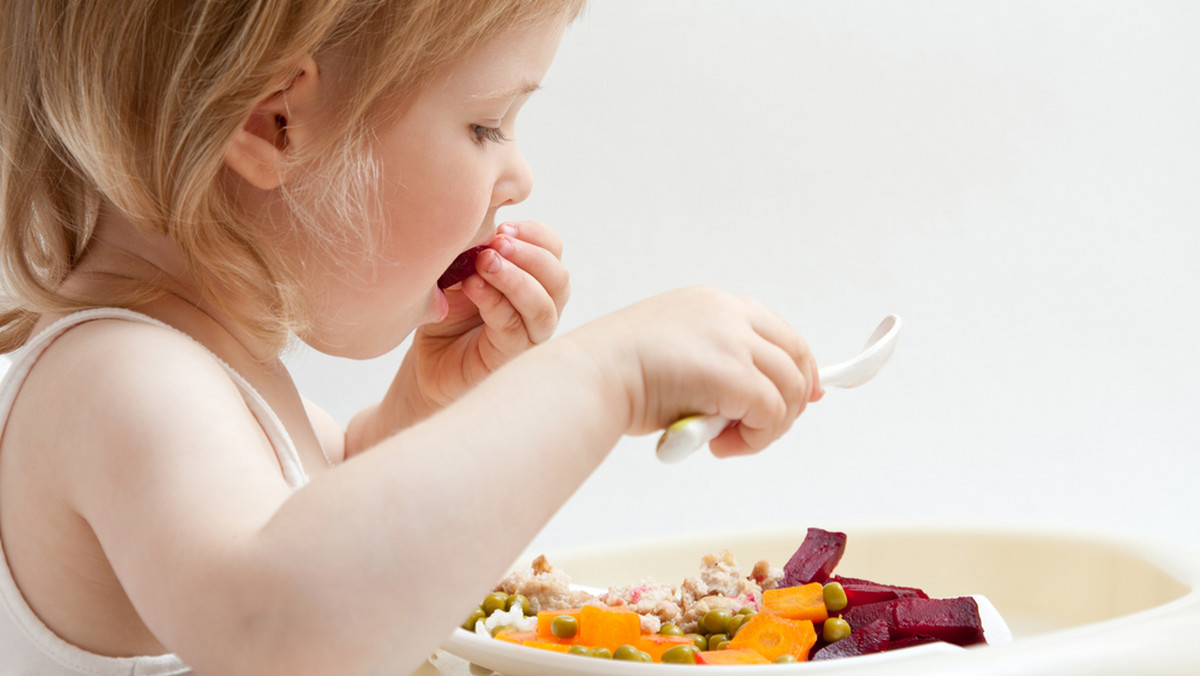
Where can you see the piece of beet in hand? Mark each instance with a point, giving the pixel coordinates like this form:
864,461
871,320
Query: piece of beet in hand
816,558
462,267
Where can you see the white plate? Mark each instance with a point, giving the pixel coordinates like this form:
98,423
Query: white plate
518,660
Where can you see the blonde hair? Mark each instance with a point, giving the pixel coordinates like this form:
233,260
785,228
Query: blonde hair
133,103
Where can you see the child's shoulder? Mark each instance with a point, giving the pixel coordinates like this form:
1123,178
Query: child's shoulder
113,350
110,374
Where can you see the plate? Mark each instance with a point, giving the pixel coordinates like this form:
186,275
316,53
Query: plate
518,660
1077,601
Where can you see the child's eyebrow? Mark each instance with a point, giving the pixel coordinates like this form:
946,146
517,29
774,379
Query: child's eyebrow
523,89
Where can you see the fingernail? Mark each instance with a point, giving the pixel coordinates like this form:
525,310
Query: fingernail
503,246
493,262
506,229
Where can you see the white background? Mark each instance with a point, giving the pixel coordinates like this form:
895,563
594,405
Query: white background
1020,181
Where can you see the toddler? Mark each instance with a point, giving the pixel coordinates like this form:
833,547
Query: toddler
187,185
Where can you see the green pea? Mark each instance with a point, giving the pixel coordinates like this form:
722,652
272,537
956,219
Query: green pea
736,623
602,653
747,610
715,639
475,616
670,629
627,652
680,654
495,601
720,645
564,626
716,621
835,629
785,659
519,601
700,640
835,596
579,650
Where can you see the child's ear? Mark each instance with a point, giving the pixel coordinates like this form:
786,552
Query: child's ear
278,122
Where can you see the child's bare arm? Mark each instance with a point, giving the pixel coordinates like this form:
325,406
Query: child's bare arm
372,563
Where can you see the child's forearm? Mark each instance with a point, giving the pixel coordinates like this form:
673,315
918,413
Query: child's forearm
431,518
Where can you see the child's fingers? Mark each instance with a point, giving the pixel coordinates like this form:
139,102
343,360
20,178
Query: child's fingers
774,329
538,262
770,403
538,234
516,306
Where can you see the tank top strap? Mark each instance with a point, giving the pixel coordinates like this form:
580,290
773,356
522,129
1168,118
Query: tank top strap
23,360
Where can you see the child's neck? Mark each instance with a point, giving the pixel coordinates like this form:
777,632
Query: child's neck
122,252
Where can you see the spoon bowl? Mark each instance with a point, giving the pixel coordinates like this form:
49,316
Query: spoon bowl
687,435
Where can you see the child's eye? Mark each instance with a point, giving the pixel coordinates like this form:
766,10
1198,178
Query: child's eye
488,134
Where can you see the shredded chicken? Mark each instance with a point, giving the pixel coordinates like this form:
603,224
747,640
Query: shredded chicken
766,575
719,584
657,603
546,587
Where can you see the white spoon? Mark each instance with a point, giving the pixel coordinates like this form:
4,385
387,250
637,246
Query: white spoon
686,435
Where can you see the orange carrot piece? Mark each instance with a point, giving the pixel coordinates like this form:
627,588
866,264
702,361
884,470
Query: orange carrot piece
731,657
772,635
603,627
517,636
657,644
545,617
805,602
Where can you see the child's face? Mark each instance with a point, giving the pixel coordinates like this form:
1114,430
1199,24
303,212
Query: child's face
447,166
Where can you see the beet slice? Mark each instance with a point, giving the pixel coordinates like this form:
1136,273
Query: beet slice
872,638
861,592
869,613
816,558
953,620
462,267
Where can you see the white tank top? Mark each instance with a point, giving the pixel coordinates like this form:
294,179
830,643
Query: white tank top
30,648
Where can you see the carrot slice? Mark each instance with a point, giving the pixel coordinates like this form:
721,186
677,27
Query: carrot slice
731,657
806,602
546,617
603,627
517,636
657,644
772,635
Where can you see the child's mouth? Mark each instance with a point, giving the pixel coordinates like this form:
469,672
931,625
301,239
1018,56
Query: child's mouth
462,267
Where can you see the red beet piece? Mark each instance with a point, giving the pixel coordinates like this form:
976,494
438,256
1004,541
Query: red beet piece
953,620
910,641
816,558
863,615
460,269
872,638
861,592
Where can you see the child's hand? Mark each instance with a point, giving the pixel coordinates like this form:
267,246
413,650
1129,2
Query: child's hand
512,303
698,350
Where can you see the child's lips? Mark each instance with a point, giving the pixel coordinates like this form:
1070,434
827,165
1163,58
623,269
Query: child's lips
462,267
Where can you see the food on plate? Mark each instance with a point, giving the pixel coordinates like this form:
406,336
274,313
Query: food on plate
462,267
723,616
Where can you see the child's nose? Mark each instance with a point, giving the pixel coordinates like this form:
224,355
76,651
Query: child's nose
515,182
